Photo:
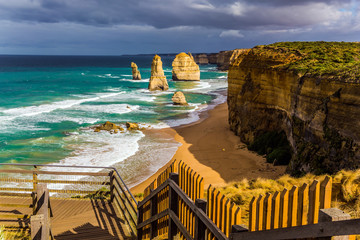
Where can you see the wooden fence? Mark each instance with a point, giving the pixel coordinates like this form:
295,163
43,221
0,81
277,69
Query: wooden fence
192,184
69,183
290,208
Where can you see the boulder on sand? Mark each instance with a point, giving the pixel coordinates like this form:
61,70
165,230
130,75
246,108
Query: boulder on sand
108,126
132,126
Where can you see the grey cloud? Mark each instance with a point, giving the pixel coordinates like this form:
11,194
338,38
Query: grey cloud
221,14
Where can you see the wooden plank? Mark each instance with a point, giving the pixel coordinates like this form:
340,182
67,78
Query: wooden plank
303,204
16,189
325,193
267,211
275,212
209,224
323,229
314,202
293,206
227,218
260,213
284,208
54,172
252,214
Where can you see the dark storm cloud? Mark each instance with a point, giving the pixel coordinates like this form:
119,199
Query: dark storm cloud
221,14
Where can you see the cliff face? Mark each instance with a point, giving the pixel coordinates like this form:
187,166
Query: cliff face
135,72
201,59
222,59
157,79
185,68
269,90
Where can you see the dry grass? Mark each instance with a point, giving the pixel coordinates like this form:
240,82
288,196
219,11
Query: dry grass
346,190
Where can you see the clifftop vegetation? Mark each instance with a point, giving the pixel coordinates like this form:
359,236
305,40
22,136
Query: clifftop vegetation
332,60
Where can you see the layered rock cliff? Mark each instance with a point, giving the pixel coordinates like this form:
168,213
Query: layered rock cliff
309,91
222,59
135,72
157,79
185,68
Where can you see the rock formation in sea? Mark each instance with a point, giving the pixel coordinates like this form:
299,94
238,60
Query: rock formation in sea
222,59
108,126
135,72
307,91
179,98
132,126
185,68
201,59
157,79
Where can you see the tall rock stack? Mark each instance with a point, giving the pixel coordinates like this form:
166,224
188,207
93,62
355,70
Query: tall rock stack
185,68
135,72
157,79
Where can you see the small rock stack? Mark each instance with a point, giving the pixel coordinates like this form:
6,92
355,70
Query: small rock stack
135,72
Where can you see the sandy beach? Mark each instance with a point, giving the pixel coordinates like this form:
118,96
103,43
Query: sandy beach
215,152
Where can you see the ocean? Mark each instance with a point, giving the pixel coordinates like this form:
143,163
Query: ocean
47,104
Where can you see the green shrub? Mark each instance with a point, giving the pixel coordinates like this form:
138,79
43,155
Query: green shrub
275,145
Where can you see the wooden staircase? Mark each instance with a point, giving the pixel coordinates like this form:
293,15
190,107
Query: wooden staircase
15,212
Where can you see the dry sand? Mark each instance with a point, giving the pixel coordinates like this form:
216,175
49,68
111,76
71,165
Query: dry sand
215,152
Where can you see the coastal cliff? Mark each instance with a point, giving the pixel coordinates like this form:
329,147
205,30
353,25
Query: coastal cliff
157,78
185,68
308,91
222,59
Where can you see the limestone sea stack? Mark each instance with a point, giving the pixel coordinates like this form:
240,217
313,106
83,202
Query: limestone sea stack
179,98
135,72
185,68
157,79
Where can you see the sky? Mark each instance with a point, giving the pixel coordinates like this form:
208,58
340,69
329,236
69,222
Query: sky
116,27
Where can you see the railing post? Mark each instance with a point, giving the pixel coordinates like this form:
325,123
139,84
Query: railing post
38,232
238,229
40,223
140,220
200,228
112,194
34,178
331,215
173,206
153,211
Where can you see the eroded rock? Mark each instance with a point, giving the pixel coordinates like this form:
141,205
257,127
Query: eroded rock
157,79
185,68
135,72
179,98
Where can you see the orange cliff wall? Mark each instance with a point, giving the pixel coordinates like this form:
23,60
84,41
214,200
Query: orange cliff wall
320,116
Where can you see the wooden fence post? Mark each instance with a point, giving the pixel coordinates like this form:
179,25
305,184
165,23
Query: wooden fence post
334,214
153,211
140,220
112,186
40,223
173,206
200,229
314,202
38,231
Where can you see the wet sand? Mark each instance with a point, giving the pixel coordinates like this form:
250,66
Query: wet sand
215,152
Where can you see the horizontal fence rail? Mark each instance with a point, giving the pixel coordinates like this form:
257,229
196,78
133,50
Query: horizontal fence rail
202,223
218,217
64,181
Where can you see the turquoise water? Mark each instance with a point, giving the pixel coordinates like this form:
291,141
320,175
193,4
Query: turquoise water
47,103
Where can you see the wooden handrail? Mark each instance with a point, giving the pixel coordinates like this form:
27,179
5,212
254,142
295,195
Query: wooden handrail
323,229
177,193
